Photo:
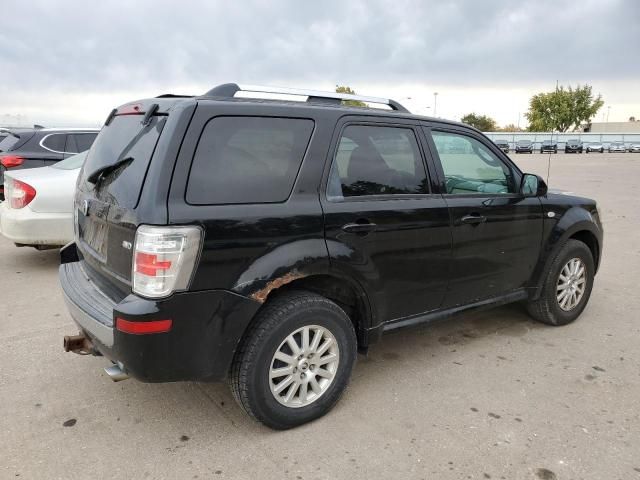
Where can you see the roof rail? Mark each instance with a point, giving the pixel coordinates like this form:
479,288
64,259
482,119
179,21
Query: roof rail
230,89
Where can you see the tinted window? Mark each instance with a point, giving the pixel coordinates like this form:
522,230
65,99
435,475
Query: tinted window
124,138
84,140
377,161
247,160
12,142
470,167
55,142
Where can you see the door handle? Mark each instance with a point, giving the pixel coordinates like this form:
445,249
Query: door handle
473,219
359,227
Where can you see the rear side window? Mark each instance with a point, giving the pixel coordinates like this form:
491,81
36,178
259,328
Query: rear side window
376,160
84,140
247,160
55,142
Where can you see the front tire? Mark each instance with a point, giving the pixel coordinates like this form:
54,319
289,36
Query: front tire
567,286
295,362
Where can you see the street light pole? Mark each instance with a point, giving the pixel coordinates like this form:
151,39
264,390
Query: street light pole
435,103
608,111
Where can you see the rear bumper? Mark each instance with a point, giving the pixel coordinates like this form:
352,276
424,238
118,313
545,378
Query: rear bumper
206,328
25,226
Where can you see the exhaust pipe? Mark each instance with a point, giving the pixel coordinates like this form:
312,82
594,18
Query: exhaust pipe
116,372
78,344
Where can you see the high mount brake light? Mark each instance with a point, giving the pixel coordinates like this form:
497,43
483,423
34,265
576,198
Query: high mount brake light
10,161
19,194
164,259
131,109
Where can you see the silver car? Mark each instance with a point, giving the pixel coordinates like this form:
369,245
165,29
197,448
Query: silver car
595,147
617,147
38,206
634,147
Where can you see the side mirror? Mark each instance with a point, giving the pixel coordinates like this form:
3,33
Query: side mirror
533,186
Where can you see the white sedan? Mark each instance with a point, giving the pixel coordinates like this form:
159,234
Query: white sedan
38,206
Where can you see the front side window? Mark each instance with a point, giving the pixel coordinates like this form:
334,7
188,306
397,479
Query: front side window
247,160
470,167
376,160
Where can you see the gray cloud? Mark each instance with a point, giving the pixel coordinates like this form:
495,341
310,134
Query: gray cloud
101,46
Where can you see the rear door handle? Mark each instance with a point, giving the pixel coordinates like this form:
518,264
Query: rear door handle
359,227
473,219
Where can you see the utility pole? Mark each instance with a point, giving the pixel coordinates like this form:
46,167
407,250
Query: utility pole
435,103
608,111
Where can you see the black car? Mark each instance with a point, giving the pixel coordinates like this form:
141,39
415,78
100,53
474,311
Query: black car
39,147
573,146
549,146
266,242
502,145
524,146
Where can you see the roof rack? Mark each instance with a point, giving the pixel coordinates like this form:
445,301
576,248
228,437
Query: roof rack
230,89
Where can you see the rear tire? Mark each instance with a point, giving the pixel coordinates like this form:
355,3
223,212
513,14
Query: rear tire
556,305
286,329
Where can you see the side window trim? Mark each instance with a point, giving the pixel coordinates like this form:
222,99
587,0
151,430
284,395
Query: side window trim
333,152
428,129
43,139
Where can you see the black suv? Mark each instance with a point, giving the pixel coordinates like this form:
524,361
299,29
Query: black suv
573,146
549,146
267,241
39,147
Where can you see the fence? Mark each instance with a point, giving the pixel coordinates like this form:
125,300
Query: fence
538,137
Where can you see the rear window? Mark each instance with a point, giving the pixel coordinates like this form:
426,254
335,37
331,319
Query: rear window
12,142
247,160
71,163
125,137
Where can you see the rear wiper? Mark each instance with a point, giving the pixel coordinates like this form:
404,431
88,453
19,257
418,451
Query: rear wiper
98,175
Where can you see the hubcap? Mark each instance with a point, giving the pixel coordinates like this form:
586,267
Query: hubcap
571,284
304,366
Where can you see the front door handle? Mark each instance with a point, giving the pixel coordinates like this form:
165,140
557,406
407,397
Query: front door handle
473,219
359,227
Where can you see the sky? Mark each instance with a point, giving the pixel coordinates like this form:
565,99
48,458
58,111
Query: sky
68,63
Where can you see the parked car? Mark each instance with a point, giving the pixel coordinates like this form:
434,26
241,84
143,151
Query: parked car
549,146
524,146
634,147
502,145
573,146
38,211
235,250
40,147
617,147
595,147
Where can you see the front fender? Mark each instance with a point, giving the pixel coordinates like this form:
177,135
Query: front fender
284,264
556,233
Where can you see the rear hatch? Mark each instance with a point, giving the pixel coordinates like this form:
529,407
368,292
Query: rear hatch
13,140
108,191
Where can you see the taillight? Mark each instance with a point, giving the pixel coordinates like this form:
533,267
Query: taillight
19,194
10,161
164,259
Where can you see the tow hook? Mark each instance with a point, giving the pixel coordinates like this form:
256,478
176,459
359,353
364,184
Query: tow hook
78,344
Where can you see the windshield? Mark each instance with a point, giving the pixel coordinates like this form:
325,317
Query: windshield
524,142
125,138
547,142
71,163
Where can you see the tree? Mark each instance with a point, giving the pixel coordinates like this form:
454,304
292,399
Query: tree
562,109
481,122
350,91
632,119
510,128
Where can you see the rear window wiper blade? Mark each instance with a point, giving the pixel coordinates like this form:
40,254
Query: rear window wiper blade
98,175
